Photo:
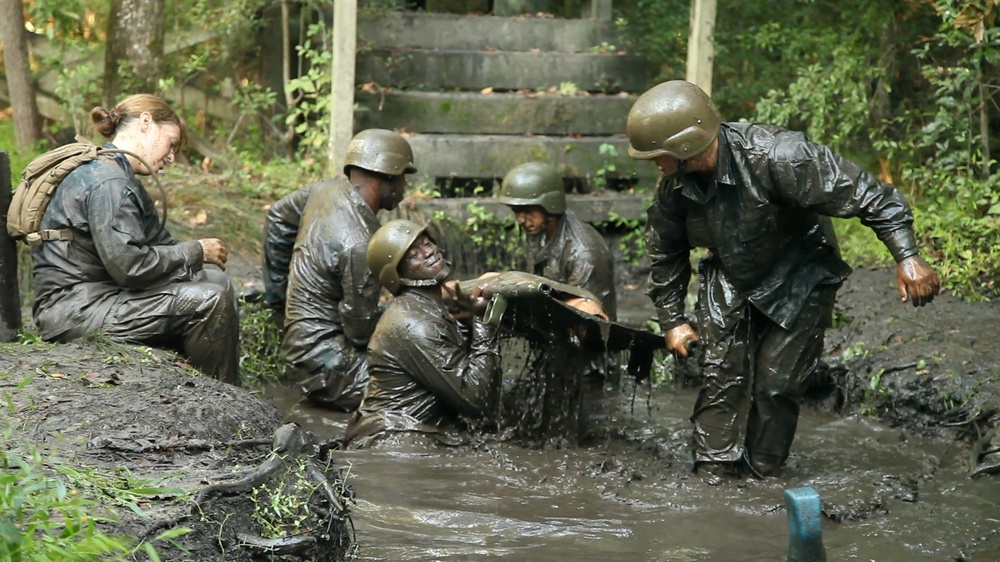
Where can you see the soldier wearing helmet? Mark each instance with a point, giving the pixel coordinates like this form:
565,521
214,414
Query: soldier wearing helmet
429,371
315,244
562,247
759,198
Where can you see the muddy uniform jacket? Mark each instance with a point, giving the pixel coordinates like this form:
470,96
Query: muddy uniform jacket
763,216
112,217
578,255
425,370
332,305
280,231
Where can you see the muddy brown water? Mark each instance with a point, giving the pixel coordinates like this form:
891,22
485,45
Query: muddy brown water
628,494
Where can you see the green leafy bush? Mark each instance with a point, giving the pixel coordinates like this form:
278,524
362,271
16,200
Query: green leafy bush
41,519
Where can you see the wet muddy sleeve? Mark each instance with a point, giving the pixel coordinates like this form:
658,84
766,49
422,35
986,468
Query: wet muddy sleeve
811,176
670,263
359,309
280,230
463,374
116,226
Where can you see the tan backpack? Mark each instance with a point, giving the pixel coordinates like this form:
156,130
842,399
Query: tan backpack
39,181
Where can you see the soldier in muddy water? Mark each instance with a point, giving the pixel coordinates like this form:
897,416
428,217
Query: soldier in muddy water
108,265
759,198
332,298
431,370
561,247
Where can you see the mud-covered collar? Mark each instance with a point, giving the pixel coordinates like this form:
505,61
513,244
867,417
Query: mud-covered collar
120,158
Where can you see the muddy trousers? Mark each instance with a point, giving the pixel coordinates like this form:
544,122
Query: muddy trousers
198,318
755,371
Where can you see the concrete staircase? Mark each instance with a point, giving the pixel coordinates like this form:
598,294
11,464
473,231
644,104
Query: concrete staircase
482,94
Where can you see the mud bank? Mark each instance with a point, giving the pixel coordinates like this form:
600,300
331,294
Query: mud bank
164,447
933,371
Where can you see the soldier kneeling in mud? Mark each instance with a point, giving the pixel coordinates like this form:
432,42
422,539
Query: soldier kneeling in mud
429,370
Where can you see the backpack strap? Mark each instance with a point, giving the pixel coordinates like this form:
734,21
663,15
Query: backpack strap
36,238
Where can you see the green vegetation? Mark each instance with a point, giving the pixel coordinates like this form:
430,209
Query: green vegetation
260,346
43,518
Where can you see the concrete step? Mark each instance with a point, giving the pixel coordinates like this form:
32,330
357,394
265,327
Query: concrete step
492,156
592,208
503,114
475,70
483,33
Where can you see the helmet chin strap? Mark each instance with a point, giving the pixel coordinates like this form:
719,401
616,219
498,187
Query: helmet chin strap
682,169
437,280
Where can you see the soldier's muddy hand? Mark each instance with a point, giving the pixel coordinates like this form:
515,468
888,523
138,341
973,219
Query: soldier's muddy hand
215,251
465,306
917,281
679,338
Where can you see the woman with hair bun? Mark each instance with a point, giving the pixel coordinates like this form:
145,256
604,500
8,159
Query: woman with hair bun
111,267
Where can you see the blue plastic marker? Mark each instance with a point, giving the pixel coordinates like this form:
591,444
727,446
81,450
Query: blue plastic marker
805,532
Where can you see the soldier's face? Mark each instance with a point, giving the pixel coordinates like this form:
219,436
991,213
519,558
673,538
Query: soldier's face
532,218
393,190
157,144
424,260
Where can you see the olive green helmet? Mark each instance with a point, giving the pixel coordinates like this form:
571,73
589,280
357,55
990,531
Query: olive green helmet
382,151
387,248
534,183
675,118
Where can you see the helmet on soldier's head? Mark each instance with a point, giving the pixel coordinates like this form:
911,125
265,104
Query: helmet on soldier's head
675,118
387,248
380,150
534,183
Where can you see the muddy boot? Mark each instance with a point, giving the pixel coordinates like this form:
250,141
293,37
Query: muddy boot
761,465
715,473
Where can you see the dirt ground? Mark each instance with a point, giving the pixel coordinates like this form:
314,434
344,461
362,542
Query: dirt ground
130,414
147,435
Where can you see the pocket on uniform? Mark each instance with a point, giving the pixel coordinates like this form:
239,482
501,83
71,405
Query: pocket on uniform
756,222
699,235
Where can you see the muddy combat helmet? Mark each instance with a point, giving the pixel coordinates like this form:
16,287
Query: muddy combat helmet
675,118
380,150
387,248
534,183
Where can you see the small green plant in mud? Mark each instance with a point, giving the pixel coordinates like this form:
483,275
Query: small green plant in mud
858,350
260,346
283,508
873,392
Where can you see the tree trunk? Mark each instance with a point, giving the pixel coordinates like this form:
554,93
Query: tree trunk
27,122
133,60
10,298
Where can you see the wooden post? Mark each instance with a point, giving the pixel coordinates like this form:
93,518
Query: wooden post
597,9
10,296
345,23
701,44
